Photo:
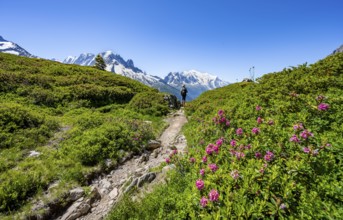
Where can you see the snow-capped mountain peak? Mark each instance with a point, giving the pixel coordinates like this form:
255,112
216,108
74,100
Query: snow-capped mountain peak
195,81
194,78
13,48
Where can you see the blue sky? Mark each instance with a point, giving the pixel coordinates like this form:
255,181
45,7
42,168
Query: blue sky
221,37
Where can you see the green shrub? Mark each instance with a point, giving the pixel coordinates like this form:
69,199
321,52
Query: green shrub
285,163
149,103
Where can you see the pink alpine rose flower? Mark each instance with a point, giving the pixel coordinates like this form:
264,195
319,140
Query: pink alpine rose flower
213,195
215,148
204,159
203,201
202,172
240,155
209,150
255,130
192,160
306,150
233,142
259,120
213,167
258,155
298,126
239,131
200,184
269,156
258,108
167,160
219,142
306,134
323,107
294,138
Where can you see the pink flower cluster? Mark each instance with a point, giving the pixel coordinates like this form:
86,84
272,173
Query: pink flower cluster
213,196
294,138
233,142
203,201
221,119
234,174
200,184
212,148
255,130
269,156
298,126
213,167
202,172
239,131
308,150
306,134
323,107
259,120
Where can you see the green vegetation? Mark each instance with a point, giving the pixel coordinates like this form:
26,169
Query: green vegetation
73,118
100,63
270,149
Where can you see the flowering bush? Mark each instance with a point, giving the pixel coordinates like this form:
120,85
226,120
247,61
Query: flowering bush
280,156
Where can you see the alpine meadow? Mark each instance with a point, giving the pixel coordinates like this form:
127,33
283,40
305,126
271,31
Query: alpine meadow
269,149
60,123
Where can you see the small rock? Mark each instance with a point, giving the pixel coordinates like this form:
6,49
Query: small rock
139,172
105,184
153,144
147,178
114,193
133,183
103,191
34,153
144,158
76,193
168,167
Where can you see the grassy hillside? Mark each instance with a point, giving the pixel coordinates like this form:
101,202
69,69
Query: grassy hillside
271,149
73,118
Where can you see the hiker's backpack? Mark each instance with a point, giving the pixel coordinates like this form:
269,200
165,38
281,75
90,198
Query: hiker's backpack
183,91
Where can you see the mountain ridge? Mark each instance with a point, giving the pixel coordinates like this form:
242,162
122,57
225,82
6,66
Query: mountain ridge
13,48
196,81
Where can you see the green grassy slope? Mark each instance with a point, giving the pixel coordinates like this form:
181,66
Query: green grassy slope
75,117
272,149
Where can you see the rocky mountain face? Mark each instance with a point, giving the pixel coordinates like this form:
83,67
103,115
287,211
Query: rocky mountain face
13,48
195,81
338,50
116,64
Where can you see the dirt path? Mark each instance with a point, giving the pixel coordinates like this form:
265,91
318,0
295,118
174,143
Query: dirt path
132,173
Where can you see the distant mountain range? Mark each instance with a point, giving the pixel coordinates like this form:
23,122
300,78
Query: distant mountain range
196,82
13,48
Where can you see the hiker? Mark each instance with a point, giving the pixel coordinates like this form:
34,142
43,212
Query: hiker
183,95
